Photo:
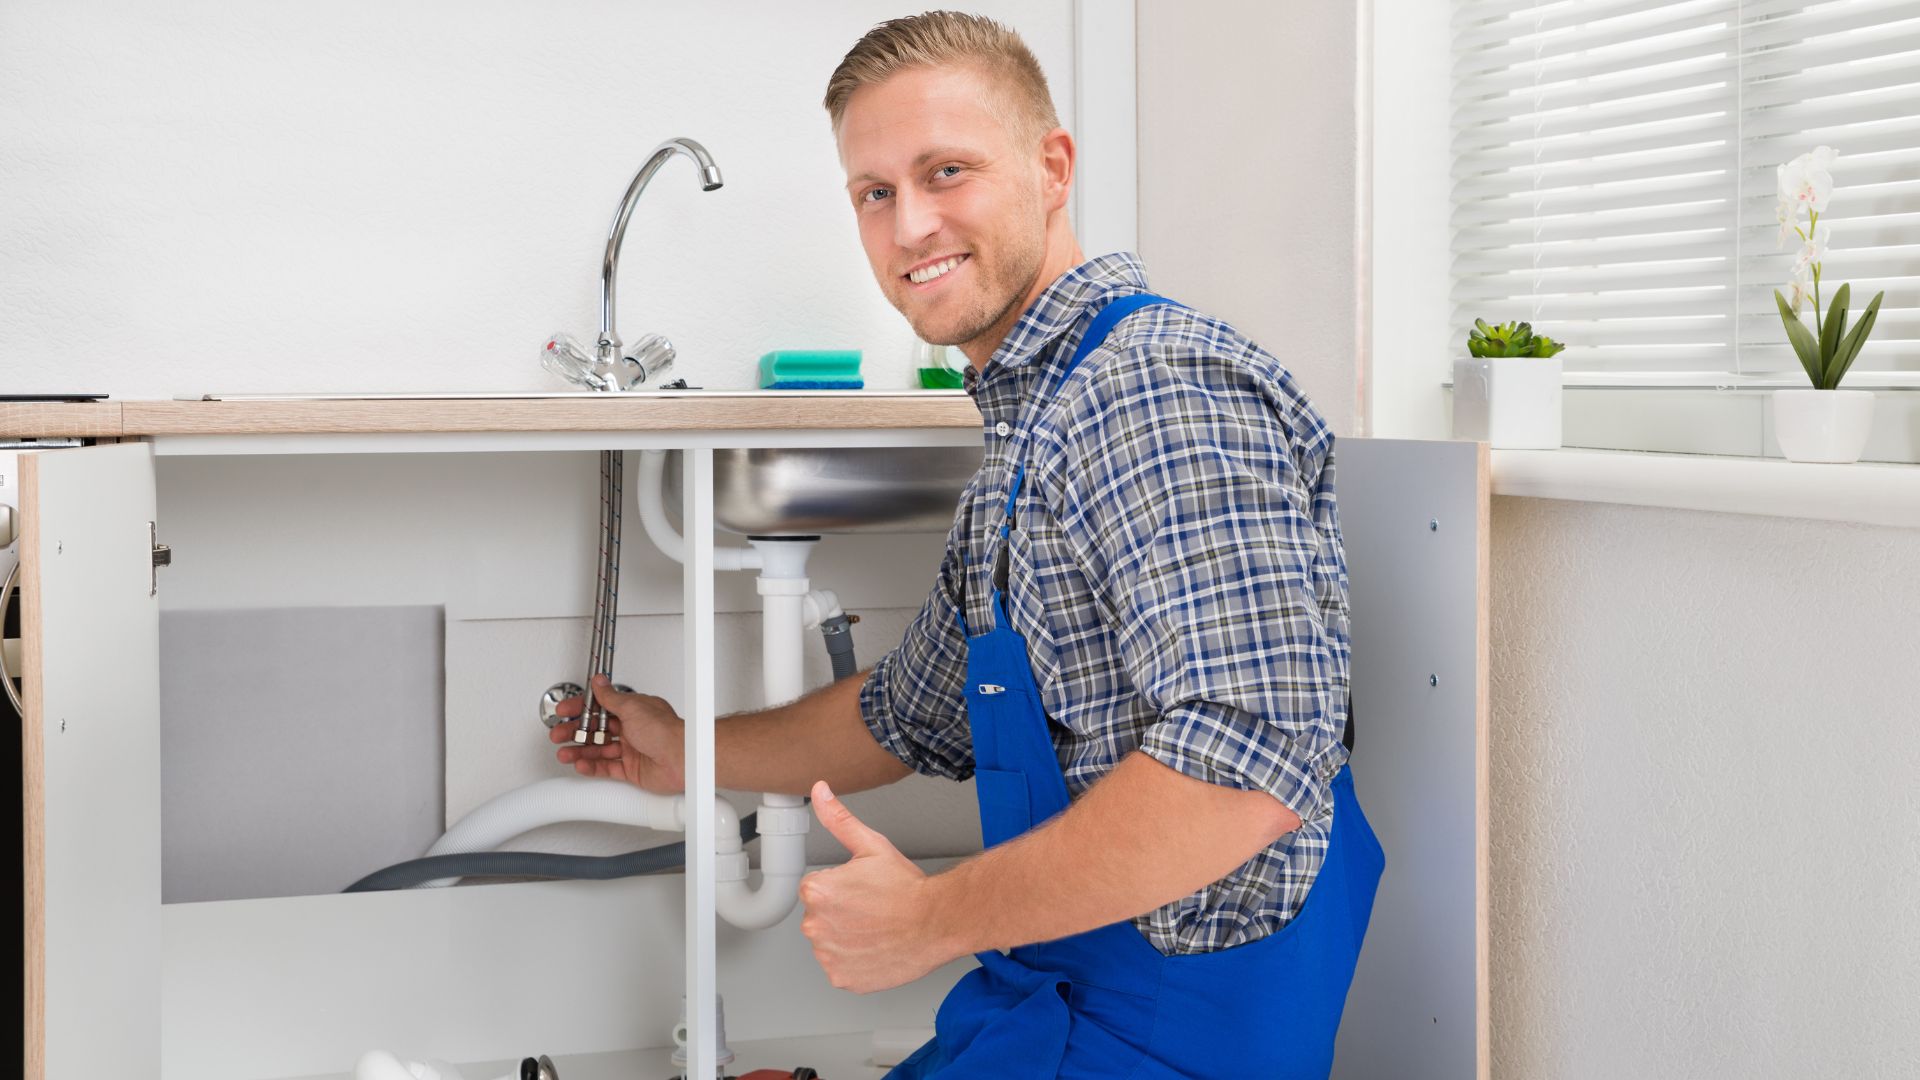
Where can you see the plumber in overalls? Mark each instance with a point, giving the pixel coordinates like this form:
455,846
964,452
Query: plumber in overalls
1137,646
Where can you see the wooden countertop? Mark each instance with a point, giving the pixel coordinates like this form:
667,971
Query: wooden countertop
656,411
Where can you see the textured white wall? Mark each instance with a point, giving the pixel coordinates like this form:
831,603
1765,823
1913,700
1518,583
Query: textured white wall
224,196
1706,795
1247,167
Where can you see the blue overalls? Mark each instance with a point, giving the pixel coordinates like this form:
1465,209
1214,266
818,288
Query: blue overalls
1106,1003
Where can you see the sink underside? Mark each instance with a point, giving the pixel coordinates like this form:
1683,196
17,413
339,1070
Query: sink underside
792,491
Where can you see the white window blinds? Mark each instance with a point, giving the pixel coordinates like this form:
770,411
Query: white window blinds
1613,173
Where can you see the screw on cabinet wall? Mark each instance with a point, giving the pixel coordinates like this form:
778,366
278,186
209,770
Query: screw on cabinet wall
1433,524
1433,680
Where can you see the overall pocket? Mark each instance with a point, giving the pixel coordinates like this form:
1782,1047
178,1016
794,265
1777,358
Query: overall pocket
1005,809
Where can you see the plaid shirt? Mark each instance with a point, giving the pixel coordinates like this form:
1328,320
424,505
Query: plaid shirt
1175,567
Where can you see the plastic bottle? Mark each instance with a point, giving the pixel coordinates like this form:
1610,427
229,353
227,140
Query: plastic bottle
939,366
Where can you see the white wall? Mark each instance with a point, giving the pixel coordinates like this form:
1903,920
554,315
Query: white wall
212,195
1248,149
1706,820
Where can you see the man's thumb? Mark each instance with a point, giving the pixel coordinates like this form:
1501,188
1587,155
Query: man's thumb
852,833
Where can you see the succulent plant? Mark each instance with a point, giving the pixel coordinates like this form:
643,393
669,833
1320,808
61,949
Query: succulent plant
1509,339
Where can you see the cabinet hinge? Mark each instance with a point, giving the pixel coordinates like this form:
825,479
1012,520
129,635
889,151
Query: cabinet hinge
162,556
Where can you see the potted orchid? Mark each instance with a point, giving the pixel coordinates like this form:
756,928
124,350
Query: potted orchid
1824,423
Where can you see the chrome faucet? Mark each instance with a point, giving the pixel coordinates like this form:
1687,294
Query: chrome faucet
611,366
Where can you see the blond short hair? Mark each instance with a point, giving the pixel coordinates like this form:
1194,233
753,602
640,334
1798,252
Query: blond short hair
943,39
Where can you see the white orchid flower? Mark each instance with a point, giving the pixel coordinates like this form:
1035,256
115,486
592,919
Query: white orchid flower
1799,291
1783,213
1807,181
1813,252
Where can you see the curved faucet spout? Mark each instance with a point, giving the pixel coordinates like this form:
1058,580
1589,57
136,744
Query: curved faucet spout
608,352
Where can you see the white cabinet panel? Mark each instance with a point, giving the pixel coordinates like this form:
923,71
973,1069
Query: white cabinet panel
90,768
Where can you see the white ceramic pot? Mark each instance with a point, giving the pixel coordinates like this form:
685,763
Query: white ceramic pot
1822,425
1512,403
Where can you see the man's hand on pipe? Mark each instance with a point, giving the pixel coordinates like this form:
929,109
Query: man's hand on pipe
870,919
647,746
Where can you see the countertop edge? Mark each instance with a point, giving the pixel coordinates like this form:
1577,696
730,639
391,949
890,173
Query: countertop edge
139,418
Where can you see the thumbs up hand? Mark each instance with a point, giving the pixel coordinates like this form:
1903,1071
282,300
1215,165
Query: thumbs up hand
871,920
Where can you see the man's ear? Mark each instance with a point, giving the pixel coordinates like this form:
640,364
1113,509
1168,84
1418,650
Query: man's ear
1057,158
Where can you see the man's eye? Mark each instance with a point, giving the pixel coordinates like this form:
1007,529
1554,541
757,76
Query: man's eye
944,170
871,194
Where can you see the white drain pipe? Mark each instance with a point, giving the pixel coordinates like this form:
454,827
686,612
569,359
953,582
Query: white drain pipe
783,820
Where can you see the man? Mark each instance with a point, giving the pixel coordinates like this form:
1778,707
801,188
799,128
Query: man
1137,645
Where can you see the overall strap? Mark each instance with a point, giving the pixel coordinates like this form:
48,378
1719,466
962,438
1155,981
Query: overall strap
1104,320
1103,324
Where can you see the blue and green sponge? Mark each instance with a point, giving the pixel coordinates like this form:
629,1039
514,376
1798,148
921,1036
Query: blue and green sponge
817,369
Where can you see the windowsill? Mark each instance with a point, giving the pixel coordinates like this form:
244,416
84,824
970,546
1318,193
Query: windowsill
1882,381
1878,381
1872,494
1704,415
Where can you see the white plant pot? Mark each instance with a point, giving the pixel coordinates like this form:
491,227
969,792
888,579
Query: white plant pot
1512,403
1828,426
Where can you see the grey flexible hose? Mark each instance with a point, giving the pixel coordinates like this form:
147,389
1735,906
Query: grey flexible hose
539,864
838,632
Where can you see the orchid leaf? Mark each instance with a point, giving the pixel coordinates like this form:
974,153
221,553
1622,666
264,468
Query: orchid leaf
1807,349
1850,346
1831,333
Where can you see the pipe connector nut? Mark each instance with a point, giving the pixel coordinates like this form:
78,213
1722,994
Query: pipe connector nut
730,866
783,820
779,586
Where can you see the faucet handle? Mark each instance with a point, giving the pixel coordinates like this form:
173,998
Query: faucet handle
643,365
563,356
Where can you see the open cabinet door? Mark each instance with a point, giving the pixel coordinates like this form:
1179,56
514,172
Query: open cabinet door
1414,518
90,763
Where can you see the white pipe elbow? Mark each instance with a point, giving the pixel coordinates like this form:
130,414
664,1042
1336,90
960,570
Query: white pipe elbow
726,824
757,908
783,862
653,516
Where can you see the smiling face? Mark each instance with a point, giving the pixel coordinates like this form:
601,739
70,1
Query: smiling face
959,215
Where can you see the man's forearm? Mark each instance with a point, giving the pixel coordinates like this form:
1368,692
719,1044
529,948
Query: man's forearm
819,737
1141,837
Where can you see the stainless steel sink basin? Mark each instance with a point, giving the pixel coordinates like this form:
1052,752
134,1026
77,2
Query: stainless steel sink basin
816,490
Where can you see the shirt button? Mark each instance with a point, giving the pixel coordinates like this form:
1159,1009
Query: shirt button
1003,429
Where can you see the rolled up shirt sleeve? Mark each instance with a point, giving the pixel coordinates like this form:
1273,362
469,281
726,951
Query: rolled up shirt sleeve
914,699
1220,569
